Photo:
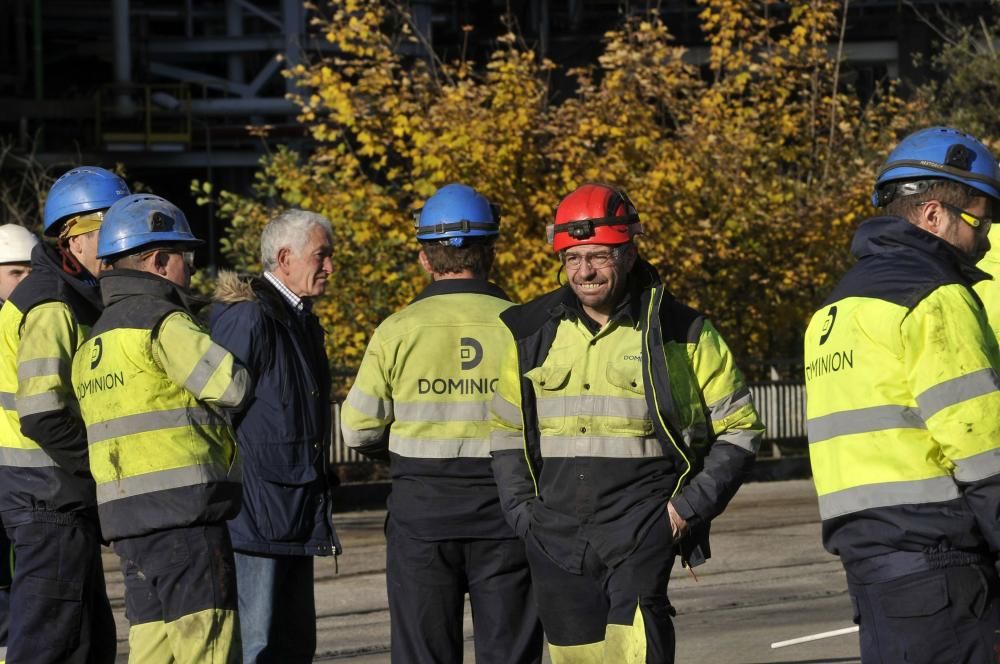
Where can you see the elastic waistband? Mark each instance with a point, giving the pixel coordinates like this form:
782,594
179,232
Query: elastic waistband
889,566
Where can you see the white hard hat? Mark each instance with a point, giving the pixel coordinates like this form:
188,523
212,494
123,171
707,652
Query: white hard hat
16,243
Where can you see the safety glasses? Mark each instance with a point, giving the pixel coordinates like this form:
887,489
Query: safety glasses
980,223
186,256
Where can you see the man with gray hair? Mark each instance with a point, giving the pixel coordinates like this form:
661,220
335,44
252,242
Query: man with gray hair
282,433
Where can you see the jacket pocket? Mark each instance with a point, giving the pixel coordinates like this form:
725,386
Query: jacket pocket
284,513
626,377
635,418
917,612
549,382
548,378
54,609
281,484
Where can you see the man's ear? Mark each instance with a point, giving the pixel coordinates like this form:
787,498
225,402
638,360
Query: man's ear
424,262
931,217
160,260
283,258
631,257
74,245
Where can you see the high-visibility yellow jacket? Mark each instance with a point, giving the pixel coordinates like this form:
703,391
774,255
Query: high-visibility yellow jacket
988,290
596,428
422,394
151,382
903,403
43,445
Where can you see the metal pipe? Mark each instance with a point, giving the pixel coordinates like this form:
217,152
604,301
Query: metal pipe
234,28
36,29
294,27
121,39
255,106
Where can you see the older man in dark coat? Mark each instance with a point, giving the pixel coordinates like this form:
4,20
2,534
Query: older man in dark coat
267,323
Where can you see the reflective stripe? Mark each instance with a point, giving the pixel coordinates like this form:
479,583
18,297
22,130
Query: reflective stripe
442,411
601,446
155,421
162,480
933,490
505,410
40,403
957,390
43,366
726,406
7,401
746,439
863,420
501,441
25,458
204,368
355,438
978,466
237,390
594,405
366,404
437,448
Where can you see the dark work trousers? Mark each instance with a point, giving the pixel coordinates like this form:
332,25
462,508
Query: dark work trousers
59,609
6,560
614,616
180,596
941,616
427,583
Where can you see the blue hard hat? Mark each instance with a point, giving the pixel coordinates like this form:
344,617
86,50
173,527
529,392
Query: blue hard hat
142,220
457,212
938,153
79,191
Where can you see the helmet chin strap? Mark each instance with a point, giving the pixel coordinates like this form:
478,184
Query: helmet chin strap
70,264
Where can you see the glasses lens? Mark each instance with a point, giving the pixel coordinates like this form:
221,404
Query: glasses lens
595,260
599,260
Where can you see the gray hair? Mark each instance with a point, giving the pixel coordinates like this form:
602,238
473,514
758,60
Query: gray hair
289,229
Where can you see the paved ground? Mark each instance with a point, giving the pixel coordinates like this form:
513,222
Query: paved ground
769,580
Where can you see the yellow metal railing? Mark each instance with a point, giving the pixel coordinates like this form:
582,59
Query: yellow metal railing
150,117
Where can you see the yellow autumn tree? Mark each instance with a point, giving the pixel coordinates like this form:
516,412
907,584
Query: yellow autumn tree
749,180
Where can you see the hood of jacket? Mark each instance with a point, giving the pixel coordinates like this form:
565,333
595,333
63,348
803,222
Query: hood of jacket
120,284
882,235
231,288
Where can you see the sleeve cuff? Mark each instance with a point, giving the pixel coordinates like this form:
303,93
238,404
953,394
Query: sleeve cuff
684,509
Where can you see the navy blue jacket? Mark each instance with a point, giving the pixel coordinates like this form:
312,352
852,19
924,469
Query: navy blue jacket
284,429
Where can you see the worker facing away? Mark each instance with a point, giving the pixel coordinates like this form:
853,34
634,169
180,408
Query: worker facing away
622,427
151,385
421,399
60,612
903,408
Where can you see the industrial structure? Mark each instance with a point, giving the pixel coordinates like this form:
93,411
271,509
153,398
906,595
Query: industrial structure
173,88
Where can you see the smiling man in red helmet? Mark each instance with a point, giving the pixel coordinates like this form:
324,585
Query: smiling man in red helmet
621,429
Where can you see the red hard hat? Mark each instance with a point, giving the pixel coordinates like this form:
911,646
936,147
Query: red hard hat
594,214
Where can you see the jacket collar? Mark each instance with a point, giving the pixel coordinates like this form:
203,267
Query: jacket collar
883,235
47,259
450,286
117,285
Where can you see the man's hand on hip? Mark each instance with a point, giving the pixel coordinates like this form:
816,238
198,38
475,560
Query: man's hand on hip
678,526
